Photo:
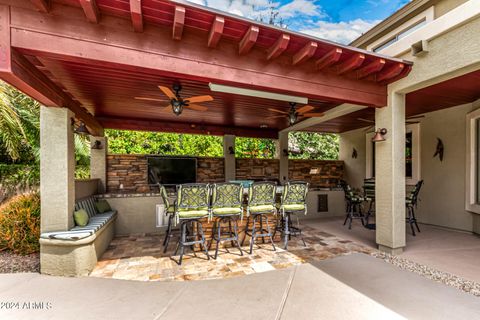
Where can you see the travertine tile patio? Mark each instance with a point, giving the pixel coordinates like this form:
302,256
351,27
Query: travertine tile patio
140,257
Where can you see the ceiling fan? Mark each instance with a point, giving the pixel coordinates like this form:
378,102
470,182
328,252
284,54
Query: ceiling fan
177,103
293,114
408,120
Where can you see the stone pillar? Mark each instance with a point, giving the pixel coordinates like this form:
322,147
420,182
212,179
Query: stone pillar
282,145
98,162
57,169
229,144
390,175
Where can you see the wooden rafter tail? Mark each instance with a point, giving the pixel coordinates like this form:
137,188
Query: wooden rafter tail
178,23
216,31
279,47
248,40
351,64
91,11
136,15
305,53
372,67
390,72
332,57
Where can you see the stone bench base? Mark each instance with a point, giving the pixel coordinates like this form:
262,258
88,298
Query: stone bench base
75,258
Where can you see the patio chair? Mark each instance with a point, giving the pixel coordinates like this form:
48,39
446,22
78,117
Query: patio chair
261,203
369,195
411,203
293,201
353,202
193,204
170,212
227,200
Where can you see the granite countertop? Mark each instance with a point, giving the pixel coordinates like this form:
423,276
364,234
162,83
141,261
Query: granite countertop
157,194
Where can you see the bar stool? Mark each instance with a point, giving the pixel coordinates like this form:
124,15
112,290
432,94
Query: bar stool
411,203
293,201
193,202
261,203
226,209
170,212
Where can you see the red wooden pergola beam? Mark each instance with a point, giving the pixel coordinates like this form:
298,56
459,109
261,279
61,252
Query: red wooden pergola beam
181,127
351,64
248,40
41,5
370,68
329,59
216,31
390,72
278,47
91,10
136,14
305,53
178,23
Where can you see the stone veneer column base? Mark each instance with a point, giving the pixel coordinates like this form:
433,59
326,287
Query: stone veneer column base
393,251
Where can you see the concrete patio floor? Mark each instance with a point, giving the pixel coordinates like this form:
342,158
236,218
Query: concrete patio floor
446,250
356,286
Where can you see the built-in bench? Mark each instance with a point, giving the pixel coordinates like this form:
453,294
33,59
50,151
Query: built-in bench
76,251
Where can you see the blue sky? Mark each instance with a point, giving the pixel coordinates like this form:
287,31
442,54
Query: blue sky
337,20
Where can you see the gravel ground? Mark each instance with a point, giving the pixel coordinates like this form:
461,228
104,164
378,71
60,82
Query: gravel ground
432,274
12,263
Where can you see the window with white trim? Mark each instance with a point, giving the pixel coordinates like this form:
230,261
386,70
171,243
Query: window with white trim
400,35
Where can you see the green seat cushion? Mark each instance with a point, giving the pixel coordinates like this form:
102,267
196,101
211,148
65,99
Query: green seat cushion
293,207
81,217
224,211
262,208
192,214
170,209
103,206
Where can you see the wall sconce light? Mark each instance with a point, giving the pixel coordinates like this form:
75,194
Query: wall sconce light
379,135
97,145
231,150
82,129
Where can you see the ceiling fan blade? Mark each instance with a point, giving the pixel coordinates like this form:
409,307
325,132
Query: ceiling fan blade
167,92
365,120
305,109
313,114
275,117
150,99
196,107
276,110
199,99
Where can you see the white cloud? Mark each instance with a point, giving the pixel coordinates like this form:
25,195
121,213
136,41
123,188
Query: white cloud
342,32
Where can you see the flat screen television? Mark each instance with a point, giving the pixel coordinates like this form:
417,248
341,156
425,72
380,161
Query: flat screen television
171,170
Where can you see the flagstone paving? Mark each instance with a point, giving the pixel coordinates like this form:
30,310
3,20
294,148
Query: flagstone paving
141,257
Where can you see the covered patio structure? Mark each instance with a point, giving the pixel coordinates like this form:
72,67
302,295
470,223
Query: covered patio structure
89,60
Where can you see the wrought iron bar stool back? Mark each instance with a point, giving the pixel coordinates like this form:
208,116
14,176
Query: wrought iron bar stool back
261,203
193,204
170,212
293,201
411,203
227,208
353,203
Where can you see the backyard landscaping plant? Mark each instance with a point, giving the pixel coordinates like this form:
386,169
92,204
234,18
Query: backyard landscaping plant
20,224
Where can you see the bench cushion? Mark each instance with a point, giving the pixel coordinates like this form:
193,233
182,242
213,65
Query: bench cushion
88,204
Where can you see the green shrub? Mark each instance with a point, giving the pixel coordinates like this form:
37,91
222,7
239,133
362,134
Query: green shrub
20,224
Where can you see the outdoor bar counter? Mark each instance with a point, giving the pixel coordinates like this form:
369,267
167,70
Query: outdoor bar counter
141,213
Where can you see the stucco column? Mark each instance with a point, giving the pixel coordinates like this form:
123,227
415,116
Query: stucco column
282,145
229,144
57,169
390,176
98,162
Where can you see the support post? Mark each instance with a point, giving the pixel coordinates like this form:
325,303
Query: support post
390,176
282,154
98,162
230,166
57,169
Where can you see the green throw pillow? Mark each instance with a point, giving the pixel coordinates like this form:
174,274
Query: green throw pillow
103,206
81,217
